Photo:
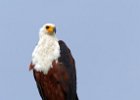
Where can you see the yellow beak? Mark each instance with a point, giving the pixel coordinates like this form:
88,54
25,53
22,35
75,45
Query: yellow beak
50,30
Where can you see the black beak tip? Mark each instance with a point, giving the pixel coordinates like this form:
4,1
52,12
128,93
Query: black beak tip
55,30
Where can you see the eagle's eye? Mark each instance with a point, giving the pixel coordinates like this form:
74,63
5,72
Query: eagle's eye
47,27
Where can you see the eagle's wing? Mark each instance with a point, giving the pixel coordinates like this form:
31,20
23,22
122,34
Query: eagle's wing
37,77
68,62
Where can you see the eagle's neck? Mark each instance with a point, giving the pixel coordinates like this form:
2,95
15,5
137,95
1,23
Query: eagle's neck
46,51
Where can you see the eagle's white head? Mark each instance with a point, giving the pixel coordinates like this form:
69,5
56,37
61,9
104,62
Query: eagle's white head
48,29
47,49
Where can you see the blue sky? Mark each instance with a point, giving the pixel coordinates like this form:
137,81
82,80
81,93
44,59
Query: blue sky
103,36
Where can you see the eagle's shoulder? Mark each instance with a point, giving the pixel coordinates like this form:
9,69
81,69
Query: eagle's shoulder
65,53
63,47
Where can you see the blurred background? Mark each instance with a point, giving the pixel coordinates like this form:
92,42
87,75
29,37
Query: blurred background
103,36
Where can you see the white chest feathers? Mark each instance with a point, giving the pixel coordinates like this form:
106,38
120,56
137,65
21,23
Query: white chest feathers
46,51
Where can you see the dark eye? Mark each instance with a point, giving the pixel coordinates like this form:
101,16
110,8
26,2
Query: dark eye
47,27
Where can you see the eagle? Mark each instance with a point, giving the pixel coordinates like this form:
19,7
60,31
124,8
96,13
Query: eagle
53,67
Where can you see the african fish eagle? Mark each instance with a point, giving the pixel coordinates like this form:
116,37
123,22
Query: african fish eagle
53,67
